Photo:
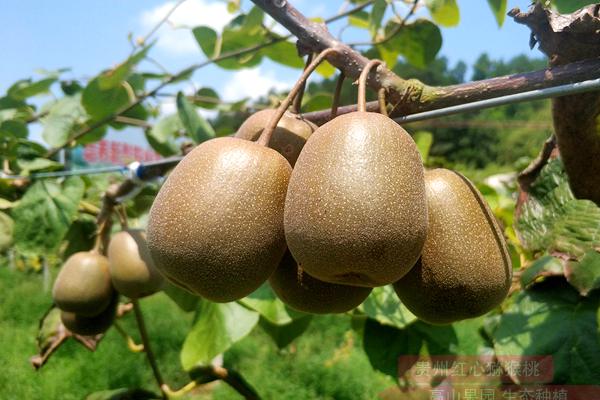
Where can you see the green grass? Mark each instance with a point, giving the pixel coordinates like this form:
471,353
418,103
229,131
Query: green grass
325,363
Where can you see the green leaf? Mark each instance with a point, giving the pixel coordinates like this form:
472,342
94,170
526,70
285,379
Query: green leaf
37,164
424,140
13,128
326,70
266,303
163,134
114,78
388,55
6,204
419,42
568,6
317,101
383,345
195,125
81,235
284,53
543,267
553,221
384,306
555,322
254,19
359,19
499,9
235,39
584,274
283,335
444,12
123,394
45,214
207,40
204,95
184,299
27,88
61,120
6,232
376,16
217,327
100,103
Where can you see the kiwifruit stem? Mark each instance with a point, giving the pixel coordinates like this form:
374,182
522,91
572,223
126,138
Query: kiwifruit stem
139,317
122,217
266,134
297,105
382,105
336,95
362,84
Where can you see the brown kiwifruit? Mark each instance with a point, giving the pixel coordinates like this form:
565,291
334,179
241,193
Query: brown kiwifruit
89,326
355,211
216,226
304,293
465,269
132,270
289,137
83,284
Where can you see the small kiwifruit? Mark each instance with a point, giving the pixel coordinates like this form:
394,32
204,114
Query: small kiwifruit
83,284
304,293
355,211
465,269
132,270
289,137
216,226
89,326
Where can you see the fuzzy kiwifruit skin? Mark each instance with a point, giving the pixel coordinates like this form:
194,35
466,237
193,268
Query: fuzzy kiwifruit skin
304,293
216,226
83,285
289,137
132,270
355,211
465,269
89,326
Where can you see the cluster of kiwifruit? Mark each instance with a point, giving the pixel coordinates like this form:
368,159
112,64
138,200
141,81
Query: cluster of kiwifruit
88,285
357,211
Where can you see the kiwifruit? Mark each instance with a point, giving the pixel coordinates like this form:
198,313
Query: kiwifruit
289,137
465,269
83,284
89,326
355,211
304,293
132,270
216,225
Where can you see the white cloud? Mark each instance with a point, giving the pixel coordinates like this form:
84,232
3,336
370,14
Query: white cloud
190,14
252,83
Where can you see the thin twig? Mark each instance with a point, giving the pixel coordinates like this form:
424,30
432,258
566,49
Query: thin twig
393,32
139,317
337,94
103,121
164,19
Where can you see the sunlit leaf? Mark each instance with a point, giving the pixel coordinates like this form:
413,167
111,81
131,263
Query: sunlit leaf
217,327
376,16
584,274
61,120
499,9
196,126
114,77
6,232
100,103
45,214
207,40
384,306
284,53
27,88
419,42
444,12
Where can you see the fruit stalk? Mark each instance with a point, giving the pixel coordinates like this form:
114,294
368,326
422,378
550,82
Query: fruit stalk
336,95
265,137
297,105
139,318
362,84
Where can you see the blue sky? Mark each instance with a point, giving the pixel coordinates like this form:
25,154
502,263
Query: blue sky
87,36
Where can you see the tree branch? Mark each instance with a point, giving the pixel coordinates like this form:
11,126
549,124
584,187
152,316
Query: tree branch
481,90
412,96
